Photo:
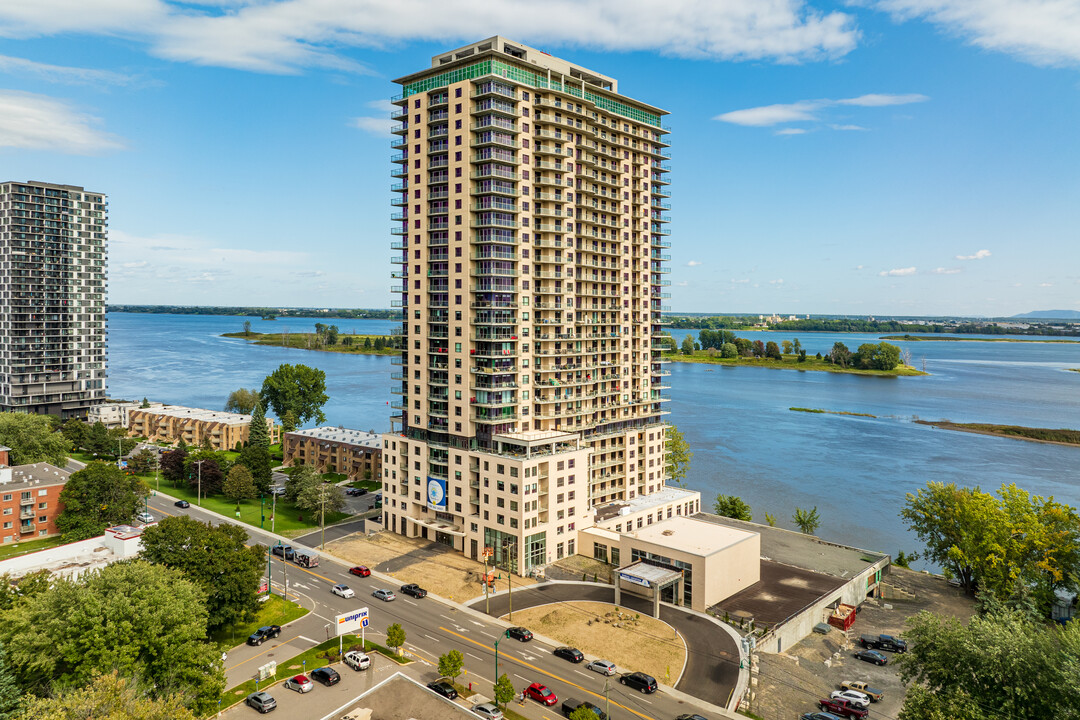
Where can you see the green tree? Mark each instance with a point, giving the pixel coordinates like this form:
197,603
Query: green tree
729,351
204,473
807,520
504,690
216,558
320,498
395,637
247,329
583,712
289,422
678,456
1013,547
296,388
772,351
732,507
96,497
239,484
242,401
76,432
139,619
298,478
145,404
788,347
15,590
998,665
451,664
688,345
840,355
32,440
107,697
258,432
173,465
258,461
880,356
143,461
10,694
796,346
770,519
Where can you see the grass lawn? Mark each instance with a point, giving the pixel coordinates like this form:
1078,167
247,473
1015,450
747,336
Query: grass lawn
369,485
87,457
789,362
277,454
286,521
309,341
319,656
275,611
8,550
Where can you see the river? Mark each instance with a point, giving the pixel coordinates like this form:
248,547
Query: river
855,470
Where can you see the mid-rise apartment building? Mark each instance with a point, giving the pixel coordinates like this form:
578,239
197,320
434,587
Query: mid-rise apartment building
52,298
354,453
30,501
531,218
173,423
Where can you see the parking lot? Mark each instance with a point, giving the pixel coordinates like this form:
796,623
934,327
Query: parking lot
790,684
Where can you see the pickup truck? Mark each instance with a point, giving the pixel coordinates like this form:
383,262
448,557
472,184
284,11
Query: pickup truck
883,642
859,686
843,708
266,632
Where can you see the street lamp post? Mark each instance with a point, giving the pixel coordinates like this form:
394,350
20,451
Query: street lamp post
497,640
273,512
262,510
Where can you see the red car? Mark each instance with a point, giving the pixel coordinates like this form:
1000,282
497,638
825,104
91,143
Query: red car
360,570
541,694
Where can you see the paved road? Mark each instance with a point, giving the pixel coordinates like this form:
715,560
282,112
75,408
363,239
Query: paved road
333,532
432,627
712,662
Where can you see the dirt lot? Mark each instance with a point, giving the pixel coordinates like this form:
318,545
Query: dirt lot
631,641
579,567
437,568
789,684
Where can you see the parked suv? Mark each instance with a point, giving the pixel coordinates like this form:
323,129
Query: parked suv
571,704
639,681
842,708
261,701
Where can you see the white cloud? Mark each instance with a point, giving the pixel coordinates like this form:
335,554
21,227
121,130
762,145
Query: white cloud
883,100
374,125
791,131
778,281
683,283
811,110
693,263
1046,284
860,267
977,256
38,122
897,272
1041,32
134,265
740,281
945,271
62,74
282,36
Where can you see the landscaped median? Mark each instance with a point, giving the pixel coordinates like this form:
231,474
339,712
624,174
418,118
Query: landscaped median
321,655
275,610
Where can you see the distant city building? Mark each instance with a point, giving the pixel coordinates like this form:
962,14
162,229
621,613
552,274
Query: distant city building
354,453
30,500
114,415
53,347
173,423
532,215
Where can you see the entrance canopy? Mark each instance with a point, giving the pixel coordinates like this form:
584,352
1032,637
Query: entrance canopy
437,526
642,578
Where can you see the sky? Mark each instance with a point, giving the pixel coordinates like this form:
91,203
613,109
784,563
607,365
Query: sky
869,157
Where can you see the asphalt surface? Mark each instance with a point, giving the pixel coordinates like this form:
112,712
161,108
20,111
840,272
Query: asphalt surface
712,656
333,532
432,627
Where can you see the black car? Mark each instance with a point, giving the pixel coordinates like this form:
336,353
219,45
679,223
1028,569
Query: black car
639,681
519,633
818,716
327,676
266,632
690,717
571,704
568,653
284,551
872,656
415,590
443,688
182,504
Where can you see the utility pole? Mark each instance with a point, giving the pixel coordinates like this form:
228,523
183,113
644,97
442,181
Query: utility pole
607,700
497,641
273,512
199,464
322,515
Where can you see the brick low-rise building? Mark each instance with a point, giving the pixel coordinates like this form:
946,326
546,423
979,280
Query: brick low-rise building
172,423
30,501
354,453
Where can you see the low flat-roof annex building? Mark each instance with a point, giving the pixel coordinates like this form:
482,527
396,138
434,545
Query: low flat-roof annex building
715,561
354,453
75,559
172,423
399,697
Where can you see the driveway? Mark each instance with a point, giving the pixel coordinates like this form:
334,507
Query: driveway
712,657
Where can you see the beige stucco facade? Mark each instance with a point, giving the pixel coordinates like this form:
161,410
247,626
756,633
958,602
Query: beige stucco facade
354,453
172,423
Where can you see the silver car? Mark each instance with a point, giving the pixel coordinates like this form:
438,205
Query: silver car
299,683
488,711
601,666
384,595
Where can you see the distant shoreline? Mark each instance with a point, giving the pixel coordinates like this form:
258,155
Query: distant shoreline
933,338
310,341
1049,436
790,362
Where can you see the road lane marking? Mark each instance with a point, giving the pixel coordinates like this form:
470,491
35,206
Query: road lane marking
433,639
474,656
525,679
511,658
301,637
